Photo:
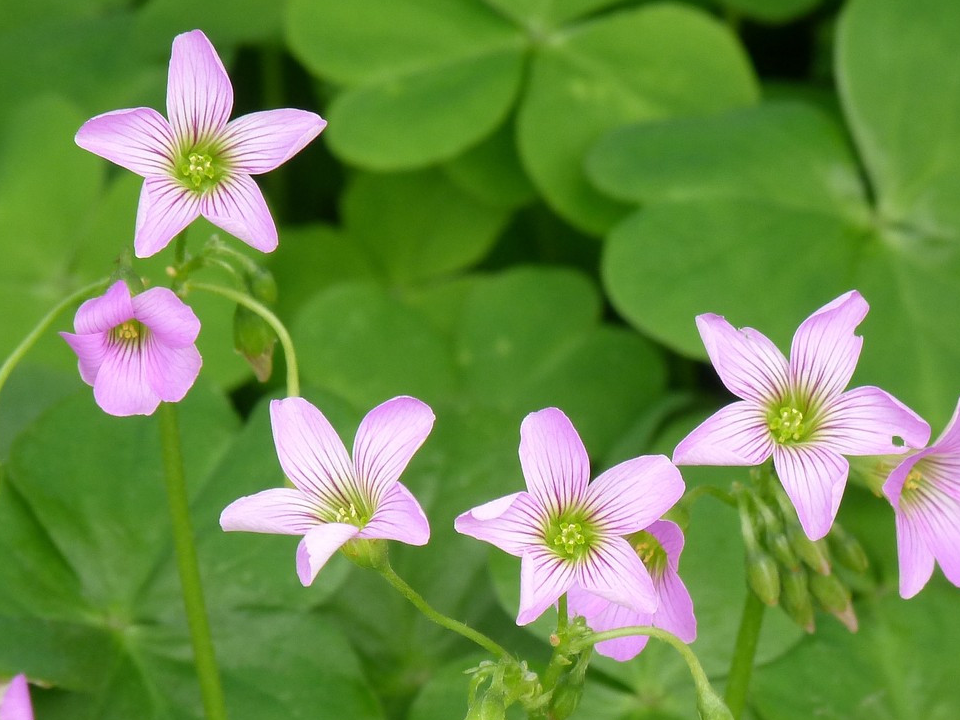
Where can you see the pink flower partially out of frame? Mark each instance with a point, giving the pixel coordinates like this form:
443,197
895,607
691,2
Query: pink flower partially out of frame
15,700
198,163
925,493
569,532
337,498
136,351
797,411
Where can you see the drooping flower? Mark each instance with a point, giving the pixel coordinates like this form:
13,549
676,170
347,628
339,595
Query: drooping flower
569,532
797,411
136,350
198,163
925,493
337,499
15,700
659,546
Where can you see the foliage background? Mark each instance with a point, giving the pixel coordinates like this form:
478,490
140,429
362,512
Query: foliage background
517,203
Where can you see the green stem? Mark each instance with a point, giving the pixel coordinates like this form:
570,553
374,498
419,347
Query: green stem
439,618
28,342
744,652
204,656
696,493
562,614
293,375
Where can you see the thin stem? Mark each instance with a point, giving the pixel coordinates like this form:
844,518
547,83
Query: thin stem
293,375
206,662
743,653
562,614
439,618
696,493
28,342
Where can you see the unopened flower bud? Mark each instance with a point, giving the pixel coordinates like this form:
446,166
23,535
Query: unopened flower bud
488,707
796,600
835,599
255,340
710,706
262,285
566,697
780,548
848,551
763,577
813,553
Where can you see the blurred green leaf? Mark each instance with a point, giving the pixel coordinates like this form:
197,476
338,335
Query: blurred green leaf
491,171
538,16
771,11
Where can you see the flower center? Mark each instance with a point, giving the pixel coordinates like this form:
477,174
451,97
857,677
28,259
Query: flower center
650,551
569,537
129,332
786,424
199,170
351,515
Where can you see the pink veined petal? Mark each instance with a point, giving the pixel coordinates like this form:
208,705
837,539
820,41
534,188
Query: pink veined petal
613,571
91,350
170,372
949,440
121,387
139,140
936,519
15,702
825,351
554,460
318,545
199,93
513,523
675,612
814,479
311,453
282,511
942,470
737,434
629,496
170,319
103,313
166,208
237,205
611,616
544,577
864,421
670,537
261,141
386,440
750,366
398,517
915,558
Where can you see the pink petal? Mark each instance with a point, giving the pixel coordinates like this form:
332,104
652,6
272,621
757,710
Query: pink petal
949,440
893,486
237,205
610,616
283,511
613,571
915,558
91,350
261,141
675,612
140,140
544,577
671,539
170,319
814,479
750,366
15,702
166,208
311,453
121,387
318,545
936,519
513,523
170,372
737,434
628,497
865,420
386,440
103,313
199,93
398,517
825,350
554,461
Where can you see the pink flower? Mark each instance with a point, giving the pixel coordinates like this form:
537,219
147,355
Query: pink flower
15,700
568,533
797,411
659,546
924,490
337,499
198,163
136,351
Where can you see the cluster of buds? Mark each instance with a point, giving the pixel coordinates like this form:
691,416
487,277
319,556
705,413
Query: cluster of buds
497,685
786,567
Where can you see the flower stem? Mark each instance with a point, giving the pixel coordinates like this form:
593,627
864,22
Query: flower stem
743,654
293,374
206,662
28,342
439,618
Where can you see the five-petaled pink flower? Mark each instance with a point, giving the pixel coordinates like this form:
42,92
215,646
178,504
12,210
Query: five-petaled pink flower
136,351
798,411
15,700
925,492
659,546
568,532
337,499
198,163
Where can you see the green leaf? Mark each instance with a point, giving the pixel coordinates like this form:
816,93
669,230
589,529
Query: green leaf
247,20
644,64
491,171
771,11
538,16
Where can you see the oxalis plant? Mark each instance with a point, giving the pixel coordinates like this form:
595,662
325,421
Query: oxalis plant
602,556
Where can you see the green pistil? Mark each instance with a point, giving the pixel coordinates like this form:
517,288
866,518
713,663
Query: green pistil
130,332
569,537
649,550
787,424
199,170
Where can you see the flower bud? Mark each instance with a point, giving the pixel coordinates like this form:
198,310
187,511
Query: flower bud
566,697
262,285
848,551
796,600
780,548
488,707
254,339
710,706
763,577
813,553
835,599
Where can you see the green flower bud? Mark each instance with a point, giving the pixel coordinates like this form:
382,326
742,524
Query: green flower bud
763,577
566,697
255,340
488,707
710,706
835,599
814,554
848,551
262,285
780,548
796,600
366,553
